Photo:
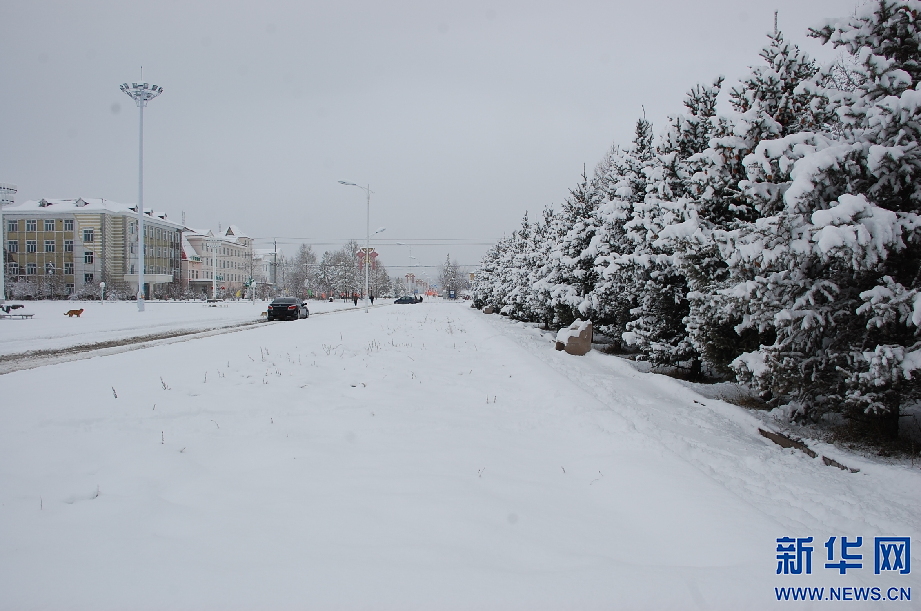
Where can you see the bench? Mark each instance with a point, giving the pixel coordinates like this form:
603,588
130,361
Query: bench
19,316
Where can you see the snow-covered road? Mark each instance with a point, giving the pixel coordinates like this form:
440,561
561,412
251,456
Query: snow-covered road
416,457
51,329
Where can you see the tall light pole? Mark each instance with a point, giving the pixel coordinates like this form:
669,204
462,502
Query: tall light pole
6,197
367,235
411,259
141,93
212,245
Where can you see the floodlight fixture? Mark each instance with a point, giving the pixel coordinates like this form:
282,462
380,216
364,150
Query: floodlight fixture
141,93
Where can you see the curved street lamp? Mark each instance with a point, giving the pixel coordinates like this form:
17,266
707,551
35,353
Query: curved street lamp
367,233
141,93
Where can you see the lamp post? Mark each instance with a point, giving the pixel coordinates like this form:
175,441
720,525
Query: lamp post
411,259
141,93
367,190
369,259
212,246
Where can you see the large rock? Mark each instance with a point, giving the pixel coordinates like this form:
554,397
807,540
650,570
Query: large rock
488,310
576,338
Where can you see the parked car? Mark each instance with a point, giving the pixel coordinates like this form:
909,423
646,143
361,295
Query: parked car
290,308
406,299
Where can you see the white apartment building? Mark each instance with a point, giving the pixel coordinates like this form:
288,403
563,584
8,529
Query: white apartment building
265,264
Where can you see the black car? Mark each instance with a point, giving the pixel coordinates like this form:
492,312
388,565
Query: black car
290,308
406,299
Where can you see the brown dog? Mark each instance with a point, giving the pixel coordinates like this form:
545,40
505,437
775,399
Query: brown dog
72,313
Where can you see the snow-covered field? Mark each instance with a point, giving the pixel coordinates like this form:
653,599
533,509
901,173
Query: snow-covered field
51,329
417,457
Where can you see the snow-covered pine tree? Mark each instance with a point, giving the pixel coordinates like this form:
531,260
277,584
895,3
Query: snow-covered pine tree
621,176
544,238
517,284
571,275
834,272
770,103
449,277
656,279
484,277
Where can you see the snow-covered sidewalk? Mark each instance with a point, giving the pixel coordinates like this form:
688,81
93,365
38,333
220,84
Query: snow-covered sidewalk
417,457
52,329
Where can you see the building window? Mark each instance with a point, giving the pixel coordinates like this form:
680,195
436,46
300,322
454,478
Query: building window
88,256
69,225
31,225
68,245
12,225
30,269
70,289
49,269
49,224
14,269
88,235
12,246
68,268
49,245
31,246
87,278
132,270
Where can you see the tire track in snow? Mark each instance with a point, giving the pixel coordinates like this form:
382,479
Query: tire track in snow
42,358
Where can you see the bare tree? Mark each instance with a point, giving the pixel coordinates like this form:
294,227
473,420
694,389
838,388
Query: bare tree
300,272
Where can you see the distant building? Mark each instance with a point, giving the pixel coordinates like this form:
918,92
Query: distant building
264,268
222,261
71,245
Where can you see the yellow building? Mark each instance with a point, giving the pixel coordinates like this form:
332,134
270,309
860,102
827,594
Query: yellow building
66,246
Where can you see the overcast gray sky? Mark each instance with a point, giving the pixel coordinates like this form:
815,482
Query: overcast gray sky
460,115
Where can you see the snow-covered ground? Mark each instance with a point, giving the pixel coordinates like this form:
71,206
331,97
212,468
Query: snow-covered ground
417,457
51,329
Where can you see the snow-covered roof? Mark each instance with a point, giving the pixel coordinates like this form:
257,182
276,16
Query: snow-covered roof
191,231
235,231
227,238
83,205
188,250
